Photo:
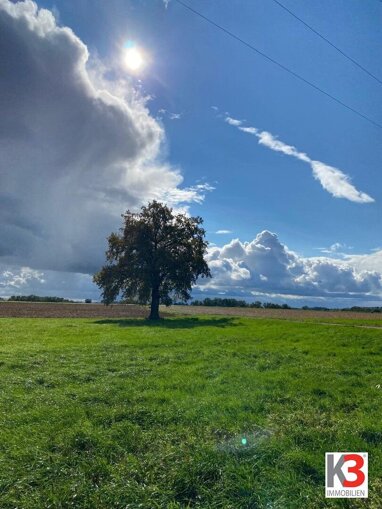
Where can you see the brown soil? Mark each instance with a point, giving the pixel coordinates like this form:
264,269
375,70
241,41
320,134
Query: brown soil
79,310
286,314
68,310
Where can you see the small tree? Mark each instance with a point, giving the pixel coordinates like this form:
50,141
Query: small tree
156,257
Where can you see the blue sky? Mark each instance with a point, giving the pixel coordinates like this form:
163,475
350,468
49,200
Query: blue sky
203,75
194,67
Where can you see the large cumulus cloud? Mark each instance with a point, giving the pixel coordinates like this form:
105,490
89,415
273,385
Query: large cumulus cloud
267,266
75,149
262,269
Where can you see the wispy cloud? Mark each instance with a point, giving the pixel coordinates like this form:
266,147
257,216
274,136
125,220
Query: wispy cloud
333,180
171,115
336,249
223,232
233,121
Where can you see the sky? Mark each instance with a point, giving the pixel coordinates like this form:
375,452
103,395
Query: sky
287,180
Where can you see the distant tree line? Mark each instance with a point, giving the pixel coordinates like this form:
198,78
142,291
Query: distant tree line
35,298
375,309
235,303
359,309
212,302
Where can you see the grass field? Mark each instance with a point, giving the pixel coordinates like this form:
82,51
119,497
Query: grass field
114,413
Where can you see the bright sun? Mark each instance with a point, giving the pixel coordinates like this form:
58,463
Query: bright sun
133,59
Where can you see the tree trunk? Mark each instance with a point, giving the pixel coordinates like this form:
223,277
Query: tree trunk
154,311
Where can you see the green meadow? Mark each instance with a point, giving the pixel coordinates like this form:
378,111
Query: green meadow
209,412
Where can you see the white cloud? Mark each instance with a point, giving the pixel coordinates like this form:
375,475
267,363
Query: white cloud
267,266
262,269
19,278
268,140
26,281
175,116
337,183
223,232
233,121
372,262
332,179
337,248
172,116
76,149
249,130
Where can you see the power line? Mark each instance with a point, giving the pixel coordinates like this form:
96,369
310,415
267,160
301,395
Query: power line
329,42
270,59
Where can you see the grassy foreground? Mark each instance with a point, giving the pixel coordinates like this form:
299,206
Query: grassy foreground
122,414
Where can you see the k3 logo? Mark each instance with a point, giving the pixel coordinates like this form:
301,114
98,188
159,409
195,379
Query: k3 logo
346,475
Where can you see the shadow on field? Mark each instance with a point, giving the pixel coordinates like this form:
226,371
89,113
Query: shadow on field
170,323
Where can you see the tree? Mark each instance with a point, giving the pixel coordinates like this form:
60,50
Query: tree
156,257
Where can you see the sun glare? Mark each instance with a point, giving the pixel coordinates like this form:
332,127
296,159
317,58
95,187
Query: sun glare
134,59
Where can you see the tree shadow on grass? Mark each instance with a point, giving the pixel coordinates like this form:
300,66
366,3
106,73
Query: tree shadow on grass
170,323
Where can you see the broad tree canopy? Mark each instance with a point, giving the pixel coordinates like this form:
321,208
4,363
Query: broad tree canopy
157,256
